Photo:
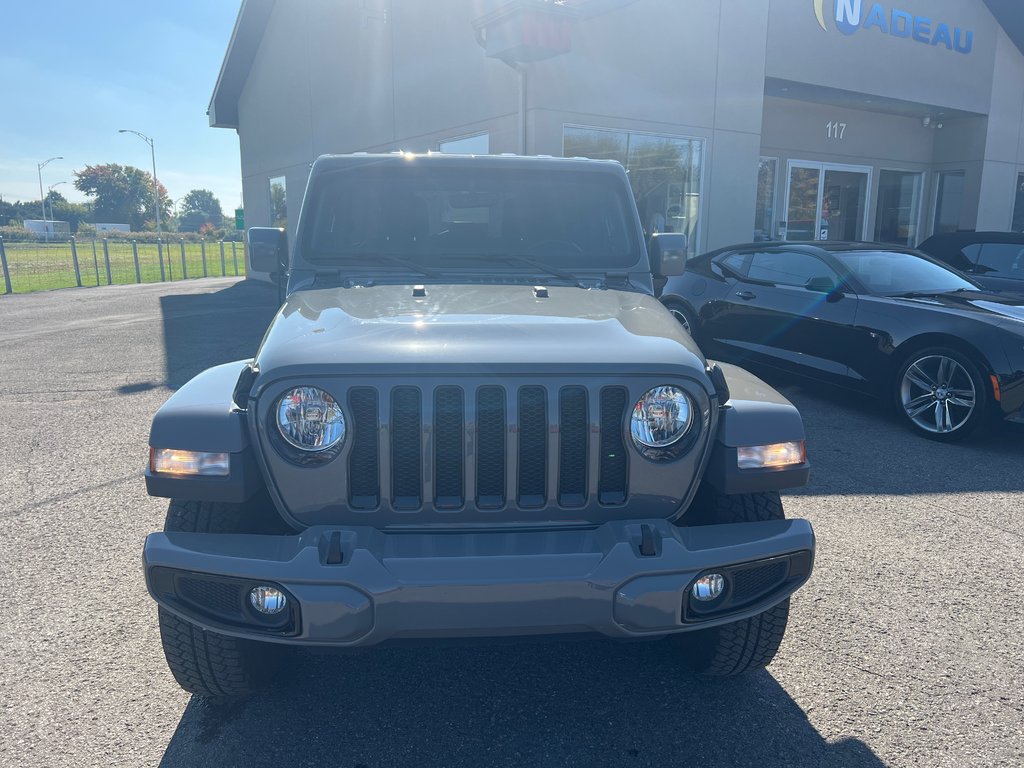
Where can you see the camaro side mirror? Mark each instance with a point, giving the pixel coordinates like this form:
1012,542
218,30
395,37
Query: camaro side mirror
268,249
827,286
667,251
821,284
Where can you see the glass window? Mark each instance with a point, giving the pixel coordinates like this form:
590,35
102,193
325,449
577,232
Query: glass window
1018,205
786,268
478,144
948,201
1001,260
802,216
665,173
278,202
893,273
735,262
764,207
466,217
898,209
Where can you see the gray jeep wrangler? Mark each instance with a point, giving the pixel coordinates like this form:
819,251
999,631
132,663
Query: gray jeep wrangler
471,418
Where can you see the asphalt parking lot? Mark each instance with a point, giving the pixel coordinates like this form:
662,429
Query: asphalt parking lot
906,648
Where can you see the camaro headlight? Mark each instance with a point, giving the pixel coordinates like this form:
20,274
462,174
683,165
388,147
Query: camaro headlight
661,417
310,419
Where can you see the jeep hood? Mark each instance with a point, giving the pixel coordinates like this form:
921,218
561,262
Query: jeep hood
499,326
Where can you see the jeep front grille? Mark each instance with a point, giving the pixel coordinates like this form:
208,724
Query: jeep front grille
447,446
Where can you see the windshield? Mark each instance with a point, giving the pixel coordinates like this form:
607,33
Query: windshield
471,218
891,273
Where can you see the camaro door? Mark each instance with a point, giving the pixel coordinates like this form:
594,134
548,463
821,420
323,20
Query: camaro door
787,309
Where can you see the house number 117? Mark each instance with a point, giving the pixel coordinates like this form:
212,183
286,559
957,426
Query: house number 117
835,130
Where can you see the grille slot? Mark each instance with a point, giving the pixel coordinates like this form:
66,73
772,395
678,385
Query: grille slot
490,447
613,468
363,464
572,447
533,446
448,459
406,448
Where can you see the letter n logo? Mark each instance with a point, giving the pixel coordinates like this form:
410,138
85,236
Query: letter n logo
848,16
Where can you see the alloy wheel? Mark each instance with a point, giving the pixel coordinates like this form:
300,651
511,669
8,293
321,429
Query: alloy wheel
683,321
938,394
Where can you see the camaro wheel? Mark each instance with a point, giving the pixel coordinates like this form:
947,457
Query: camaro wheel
203,662
748,644
941,394
685,317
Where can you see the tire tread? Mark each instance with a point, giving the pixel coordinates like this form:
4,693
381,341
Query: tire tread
202,662
748,644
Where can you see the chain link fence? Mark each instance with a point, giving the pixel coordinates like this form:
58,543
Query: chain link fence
37,266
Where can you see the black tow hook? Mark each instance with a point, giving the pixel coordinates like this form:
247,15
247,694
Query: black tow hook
647,545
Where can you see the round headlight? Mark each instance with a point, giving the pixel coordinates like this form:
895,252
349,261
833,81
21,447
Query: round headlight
661,417
309,419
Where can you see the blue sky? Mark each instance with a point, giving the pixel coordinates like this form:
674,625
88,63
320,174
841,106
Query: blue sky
75,72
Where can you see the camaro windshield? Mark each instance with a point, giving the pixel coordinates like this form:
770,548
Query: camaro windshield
467,218
893,273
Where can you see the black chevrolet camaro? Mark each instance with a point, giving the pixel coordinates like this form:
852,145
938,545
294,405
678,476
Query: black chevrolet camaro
887,321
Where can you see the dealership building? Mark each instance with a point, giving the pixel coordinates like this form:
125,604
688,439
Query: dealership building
736,119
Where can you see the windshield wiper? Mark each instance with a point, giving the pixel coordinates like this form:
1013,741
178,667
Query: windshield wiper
529,261
928,294
366,260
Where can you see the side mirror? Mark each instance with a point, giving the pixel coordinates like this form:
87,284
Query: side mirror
827,286
268,249
667,251
820,284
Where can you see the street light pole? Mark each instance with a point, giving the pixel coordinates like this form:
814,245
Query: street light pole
49,189
156,184
42,200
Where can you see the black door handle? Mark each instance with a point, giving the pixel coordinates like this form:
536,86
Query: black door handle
746,295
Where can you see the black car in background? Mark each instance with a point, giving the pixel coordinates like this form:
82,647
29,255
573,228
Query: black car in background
887,321
994,259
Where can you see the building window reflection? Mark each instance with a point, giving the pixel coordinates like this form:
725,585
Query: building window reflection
949,199
1018,206
664,172
764,210
278,202
899,208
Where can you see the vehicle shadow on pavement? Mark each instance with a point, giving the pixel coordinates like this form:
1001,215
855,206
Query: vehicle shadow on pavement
206,329
585,703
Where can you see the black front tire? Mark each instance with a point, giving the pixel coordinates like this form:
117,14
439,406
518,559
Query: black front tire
209,663
749,644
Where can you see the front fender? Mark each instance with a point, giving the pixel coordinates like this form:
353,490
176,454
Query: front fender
756,414
202,416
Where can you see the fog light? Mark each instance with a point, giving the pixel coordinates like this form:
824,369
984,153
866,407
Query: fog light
774,455
708,587
268,600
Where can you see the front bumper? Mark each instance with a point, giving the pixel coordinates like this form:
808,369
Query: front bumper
477,584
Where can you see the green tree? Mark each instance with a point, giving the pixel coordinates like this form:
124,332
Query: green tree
122,194
197,208
61,209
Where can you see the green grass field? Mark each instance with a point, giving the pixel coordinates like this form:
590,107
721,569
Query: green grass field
45,266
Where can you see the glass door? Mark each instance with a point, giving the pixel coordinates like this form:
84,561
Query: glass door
826,202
